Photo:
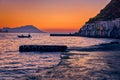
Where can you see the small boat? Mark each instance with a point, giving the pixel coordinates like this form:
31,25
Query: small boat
23,36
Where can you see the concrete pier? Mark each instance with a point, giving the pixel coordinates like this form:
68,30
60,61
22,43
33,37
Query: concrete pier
63,35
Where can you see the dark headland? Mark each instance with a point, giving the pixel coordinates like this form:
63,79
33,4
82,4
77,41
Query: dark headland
106,24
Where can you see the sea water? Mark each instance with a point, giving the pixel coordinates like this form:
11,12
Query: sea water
14,64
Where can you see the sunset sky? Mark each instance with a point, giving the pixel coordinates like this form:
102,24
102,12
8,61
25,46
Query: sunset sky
49,15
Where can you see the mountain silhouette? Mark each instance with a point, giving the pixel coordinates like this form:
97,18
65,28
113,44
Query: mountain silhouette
22,29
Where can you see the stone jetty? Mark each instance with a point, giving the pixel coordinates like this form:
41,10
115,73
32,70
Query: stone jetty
42,48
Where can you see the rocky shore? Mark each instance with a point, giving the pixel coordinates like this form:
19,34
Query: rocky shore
99,62
113,46
103,29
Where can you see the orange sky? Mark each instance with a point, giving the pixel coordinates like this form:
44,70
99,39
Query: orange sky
49,15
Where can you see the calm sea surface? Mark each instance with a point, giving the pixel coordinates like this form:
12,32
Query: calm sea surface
14,64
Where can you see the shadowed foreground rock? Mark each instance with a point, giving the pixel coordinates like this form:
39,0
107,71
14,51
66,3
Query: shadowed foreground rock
112,46
42,48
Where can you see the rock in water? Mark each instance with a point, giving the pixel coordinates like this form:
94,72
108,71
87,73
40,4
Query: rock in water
42,48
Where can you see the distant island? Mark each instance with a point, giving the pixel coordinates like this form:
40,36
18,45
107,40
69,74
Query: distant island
21,29
106,24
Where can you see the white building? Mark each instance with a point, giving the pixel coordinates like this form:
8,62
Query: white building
100,28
